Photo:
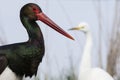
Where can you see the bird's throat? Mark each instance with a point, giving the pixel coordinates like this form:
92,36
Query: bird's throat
33,30
86,57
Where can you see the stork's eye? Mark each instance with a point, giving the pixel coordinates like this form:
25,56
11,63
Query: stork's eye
34,9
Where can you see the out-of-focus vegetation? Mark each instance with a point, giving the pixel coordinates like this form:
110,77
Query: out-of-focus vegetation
113,65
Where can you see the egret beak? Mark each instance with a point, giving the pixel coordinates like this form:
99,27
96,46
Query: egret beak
42,17
75,28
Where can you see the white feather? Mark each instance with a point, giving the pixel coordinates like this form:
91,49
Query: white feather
86,72
7,74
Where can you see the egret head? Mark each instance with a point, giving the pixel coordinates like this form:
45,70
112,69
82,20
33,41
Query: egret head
82,27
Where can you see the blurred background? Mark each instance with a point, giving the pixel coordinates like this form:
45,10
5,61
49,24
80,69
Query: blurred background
62,55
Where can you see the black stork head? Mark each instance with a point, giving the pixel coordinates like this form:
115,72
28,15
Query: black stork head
33,12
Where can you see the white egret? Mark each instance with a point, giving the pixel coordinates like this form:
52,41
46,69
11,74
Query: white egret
86,71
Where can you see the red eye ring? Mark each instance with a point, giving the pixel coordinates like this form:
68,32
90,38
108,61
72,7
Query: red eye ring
34,9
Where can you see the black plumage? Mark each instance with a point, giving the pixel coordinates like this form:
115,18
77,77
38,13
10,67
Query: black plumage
24,58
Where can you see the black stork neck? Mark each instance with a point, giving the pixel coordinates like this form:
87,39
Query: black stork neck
30,13
34,32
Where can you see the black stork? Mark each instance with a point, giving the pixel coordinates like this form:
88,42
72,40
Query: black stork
23,58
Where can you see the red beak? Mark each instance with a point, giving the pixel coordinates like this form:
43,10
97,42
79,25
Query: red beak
42,17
